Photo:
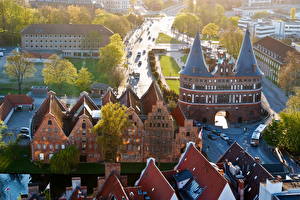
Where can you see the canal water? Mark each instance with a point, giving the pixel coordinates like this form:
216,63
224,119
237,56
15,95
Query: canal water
12,185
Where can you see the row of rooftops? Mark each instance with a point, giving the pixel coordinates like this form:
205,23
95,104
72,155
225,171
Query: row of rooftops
245,65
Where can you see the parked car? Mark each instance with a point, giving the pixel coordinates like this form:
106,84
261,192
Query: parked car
144,52
153,39
140,63
149,38
25,130
224,136
212,137
129,54
215,132
24,136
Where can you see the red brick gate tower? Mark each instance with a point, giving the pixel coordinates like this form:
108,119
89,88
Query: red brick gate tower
232,87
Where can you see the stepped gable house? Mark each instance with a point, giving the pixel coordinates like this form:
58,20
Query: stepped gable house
153,131
69,40
55,126
234,88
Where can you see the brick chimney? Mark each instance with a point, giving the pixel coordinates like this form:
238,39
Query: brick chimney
241,188
112,168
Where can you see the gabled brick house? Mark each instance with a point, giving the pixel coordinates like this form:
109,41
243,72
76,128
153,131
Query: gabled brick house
152,131
55,126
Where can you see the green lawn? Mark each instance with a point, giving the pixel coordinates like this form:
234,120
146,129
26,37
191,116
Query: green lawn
169,66
93,66
164,38
174,85
184,58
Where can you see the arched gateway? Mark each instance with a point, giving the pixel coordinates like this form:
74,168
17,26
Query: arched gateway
233,87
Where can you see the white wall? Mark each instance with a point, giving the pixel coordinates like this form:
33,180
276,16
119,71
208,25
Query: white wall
226,193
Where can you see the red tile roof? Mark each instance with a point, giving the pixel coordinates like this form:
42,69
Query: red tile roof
154,183
178,115
150,98
130,99
84,99
112,186
253,172
109,96
12,100
275,46
203,172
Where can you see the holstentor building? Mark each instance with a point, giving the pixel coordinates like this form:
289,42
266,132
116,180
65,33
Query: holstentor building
232,88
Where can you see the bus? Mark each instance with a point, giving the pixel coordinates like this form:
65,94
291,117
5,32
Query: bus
256,134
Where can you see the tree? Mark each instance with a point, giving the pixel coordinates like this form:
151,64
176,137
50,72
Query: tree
293,104
3,127
112,54
211,30
91,40
291,130
232,40
187,23
273,134
117,76
84,79
79,15
65,160
109,129
293,13
59,71
19,68
154,4
289,75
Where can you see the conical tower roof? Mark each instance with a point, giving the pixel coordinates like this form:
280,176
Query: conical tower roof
246,64
195,64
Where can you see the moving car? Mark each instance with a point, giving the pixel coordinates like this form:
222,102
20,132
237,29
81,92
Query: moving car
149,38
129,54
144,52
24,130
140,63
224,136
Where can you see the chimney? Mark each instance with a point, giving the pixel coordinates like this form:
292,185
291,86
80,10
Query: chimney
241,188
112,168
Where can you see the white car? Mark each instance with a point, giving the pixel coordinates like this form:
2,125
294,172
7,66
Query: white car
224,136
25,130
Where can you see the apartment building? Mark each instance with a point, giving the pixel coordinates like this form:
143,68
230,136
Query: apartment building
261,28
69,40
59,3
116,6
271,56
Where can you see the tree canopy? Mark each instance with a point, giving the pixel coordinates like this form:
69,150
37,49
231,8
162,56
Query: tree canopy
84,79
211,30
293,13
187,23
18,67
232,40
65,160
2,128
109,129
59,71
289,76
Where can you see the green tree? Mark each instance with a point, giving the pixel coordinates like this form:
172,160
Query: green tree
273,134
211,30
3,127
84,79
289,76
65,160
91,40
154,4
291,130
293,13
79,15
112,54
109,129
19,68
187,23
293,103
232,40
59,71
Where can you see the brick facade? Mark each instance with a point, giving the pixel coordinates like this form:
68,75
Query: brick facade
232,87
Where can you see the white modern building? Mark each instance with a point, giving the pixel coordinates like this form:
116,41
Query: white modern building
261,28
116,6
258,2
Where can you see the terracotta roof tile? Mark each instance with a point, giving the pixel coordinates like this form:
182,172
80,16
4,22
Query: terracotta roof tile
150,98
112,186
253,172
275,46
203,172
178,115
130,99
154,183
109,96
